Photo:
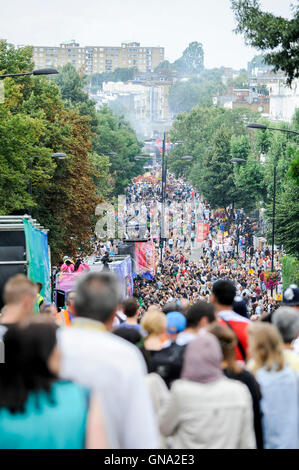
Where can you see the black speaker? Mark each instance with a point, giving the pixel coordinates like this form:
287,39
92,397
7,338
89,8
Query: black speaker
127,249
12,251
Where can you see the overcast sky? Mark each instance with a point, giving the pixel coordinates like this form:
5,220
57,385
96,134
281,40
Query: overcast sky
172,24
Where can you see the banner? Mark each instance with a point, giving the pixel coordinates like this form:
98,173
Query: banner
145,257
38,257
122,269
202,231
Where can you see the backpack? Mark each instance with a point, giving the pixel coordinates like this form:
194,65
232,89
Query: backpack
168,362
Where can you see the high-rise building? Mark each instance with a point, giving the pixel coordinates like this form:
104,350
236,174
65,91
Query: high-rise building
99,59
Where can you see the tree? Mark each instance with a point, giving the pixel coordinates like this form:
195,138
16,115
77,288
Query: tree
34,120
71,86
271,33
116,136
287,218
250,185
215,181
184,95
294,168
197,130
241,81
119,75
166,69
192,60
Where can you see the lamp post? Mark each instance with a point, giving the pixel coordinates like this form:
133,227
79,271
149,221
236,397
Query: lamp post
60,156
263,127
34,72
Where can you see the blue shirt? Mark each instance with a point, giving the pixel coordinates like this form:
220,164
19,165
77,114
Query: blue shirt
280,407
47,424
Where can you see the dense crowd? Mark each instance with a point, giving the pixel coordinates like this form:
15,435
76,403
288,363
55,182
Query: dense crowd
182,275
202,356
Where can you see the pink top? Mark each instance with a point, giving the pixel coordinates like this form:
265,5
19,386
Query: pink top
67,269
83,267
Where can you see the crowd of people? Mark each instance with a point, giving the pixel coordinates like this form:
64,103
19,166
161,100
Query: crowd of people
201,357
182,275
185,376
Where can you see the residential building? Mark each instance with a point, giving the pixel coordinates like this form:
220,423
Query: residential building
99,59
247,98
284,100
145,104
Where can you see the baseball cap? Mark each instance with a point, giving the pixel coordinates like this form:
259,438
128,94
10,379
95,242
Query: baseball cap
291,296
176,322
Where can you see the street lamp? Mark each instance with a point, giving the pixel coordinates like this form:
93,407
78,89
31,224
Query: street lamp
144,156
60,156
34,72
237,160
187,158
263,127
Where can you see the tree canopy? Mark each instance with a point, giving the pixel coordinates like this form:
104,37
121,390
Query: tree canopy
43,116
275,35
192,60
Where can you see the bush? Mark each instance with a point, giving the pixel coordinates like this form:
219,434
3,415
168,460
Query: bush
290,271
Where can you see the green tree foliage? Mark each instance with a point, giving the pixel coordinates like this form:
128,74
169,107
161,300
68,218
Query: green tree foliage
116,136
166,69
71,86
250,184
274,34
287,218
111,135
197,129
119,75
215,180
290,271
241,81
35,120
184,95
294,169
192,60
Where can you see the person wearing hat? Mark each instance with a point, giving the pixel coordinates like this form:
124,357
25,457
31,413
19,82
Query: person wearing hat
290,299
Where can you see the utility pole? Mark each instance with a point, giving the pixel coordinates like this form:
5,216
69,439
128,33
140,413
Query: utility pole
163,195
273,221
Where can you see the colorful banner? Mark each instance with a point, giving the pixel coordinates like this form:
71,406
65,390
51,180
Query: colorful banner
145,257
202,232
122,269
38,257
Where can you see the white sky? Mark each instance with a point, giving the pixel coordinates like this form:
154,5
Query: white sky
172,24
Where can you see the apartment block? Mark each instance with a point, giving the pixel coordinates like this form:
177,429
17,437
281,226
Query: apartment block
99,59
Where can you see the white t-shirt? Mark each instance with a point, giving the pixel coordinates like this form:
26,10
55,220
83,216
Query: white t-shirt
115,370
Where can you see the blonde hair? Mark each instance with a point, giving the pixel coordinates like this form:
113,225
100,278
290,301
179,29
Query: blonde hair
17,287
266,346
154,321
